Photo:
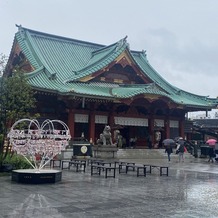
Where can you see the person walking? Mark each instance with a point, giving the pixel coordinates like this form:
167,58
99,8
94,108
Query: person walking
211,154
216,152
169,151
180,149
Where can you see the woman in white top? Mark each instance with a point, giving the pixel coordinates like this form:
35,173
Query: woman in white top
180,150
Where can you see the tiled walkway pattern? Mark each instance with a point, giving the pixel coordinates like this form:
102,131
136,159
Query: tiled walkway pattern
190,191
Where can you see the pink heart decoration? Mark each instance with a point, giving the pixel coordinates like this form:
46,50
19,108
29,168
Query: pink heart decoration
39,143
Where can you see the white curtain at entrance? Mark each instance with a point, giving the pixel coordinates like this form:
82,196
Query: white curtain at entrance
174,124
81,118
101,119
130,121
159,122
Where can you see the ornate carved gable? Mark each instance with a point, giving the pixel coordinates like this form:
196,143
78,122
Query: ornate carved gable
18,60
122,71
119,74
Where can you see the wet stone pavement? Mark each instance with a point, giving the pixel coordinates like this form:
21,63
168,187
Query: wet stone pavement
190,190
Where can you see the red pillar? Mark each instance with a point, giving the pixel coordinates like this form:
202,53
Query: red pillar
181,127
111,122
92,126
151,129
71,123
167,127
111,117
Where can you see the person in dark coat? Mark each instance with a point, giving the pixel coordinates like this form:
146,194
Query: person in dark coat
211,154
169,151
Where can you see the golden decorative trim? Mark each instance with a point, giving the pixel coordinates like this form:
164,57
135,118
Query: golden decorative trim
124,56
116,101
151,97
118,80
86,78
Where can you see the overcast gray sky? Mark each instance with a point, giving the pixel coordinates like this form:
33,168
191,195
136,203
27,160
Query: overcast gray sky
180,36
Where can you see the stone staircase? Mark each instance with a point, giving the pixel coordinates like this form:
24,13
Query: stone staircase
147,154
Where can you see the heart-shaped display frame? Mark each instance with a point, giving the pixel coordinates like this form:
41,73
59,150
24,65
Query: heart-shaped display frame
39,143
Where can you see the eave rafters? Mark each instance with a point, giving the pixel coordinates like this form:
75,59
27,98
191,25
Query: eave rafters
149,97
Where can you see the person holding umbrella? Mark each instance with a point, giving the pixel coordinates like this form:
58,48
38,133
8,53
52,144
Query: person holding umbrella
169,151
216,151
211,152
169,144
180,148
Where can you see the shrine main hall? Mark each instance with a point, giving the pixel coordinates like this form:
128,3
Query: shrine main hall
89,85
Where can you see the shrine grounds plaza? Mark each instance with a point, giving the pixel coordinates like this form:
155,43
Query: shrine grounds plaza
190,190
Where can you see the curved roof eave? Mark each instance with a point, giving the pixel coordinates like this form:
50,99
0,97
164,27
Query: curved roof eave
177,95
114,94
25,47
100,58
31,43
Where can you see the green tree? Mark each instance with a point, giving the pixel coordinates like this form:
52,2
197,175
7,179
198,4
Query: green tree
3,61
16,102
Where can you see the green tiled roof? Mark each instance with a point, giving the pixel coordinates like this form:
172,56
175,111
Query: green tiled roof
100,59
61,62
177,95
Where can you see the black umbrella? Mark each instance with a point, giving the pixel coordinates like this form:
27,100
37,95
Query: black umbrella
169,142
180,140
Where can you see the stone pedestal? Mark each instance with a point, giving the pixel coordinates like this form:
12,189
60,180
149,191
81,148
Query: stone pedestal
31,176
67,154
105,152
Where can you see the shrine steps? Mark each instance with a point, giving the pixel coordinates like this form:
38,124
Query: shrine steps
147,154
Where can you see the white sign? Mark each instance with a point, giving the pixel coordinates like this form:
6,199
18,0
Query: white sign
131,121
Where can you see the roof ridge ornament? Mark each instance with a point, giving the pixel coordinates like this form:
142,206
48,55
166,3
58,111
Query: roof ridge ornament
121,43
178,92
21,30
143,54
206,97
53,76
153,86
19,26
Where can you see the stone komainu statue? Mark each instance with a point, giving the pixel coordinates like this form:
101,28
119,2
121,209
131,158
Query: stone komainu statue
105,137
